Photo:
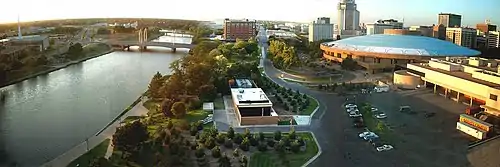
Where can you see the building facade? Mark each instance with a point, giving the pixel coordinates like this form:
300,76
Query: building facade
239,29
424,30
251,104
439,32
486,27
348,17
493,39
39,41
395,23
318,31
450,20
377,28
401,32
323,20
465,37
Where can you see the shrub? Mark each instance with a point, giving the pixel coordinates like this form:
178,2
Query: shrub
253,141
193,131
195,104
270,142
286,107
247,133
200,152
228,144
221,138
262,147
301,141
230,133
261,136
295,146
304,96
238,138
292,135
286,141
280,146
245,145
210,142
277,135
216,152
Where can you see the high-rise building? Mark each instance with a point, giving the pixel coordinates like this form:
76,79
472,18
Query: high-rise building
395,23
348,17
465,37
377,28
485,27
450,20
239,29
323,20
493,39
320,31
439,32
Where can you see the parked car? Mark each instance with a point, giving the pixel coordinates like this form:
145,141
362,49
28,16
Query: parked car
380,115
355,114
367,133
371,137
350,105
374,109
384,147
375,142
352,110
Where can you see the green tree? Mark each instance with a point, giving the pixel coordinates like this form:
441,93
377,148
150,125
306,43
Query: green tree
179,109
230,133
207,93
348,64
292,134
75,50
154,85
245,145
277,135
166,107
262,137
200,152
216,152
128,137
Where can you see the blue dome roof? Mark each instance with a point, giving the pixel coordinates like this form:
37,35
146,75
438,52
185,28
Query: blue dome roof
402,44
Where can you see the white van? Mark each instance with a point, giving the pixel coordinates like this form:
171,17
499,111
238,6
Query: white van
380,89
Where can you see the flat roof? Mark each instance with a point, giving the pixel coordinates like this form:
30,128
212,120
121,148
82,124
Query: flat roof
402,45
461,75
250,97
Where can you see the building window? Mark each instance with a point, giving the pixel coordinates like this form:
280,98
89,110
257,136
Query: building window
493,97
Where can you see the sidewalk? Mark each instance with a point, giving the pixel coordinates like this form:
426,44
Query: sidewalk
80,149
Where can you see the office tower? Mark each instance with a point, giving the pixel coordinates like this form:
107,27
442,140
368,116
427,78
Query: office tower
320,30
450,20
465,37
348,17
239,29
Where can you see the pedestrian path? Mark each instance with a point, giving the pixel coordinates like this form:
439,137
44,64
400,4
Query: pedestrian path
80,149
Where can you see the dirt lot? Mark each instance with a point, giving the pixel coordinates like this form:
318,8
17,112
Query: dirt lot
421,141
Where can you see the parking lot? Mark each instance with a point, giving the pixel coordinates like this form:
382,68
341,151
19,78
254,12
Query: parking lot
419,140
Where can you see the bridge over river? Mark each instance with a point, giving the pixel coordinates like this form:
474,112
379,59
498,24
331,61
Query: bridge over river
143,42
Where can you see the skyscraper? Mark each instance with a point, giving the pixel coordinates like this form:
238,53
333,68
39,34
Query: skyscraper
348,17
450,20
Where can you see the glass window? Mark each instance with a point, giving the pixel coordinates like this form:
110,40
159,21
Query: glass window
493,97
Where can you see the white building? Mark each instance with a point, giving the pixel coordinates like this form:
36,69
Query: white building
465,37
377,28
493,39
320,31
348,17
304,28
395,23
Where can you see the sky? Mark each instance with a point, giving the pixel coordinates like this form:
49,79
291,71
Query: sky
414,12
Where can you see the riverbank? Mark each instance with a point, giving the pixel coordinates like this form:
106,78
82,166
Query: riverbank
92,55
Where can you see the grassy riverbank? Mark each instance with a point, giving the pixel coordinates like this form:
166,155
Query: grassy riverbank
88,52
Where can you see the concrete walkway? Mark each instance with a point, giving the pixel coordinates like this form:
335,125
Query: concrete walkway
80,149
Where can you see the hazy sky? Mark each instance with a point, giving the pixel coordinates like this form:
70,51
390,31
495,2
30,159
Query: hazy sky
414,12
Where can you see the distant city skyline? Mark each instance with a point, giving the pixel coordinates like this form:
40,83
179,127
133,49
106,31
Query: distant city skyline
421,12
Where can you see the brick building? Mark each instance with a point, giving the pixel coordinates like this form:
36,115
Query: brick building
239,29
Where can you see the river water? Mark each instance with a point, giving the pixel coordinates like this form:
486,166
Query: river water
45,116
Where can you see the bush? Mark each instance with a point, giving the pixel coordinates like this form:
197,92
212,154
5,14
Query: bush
301,141
292,135
228,144
216,152
245,145
262,147
238,139
277,135
193,131
195,104
261,136
286,141
210,142
280,146
200,152
295,146
253,141
271,142
221,138
230,133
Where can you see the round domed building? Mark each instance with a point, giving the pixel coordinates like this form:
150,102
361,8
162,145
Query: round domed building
381,52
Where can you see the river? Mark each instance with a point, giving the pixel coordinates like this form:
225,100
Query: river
45,116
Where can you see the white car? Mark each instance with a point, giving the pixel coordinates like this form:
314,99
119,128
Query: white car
381,116
352,109
355,114
367,133
351,106
384,147
374,109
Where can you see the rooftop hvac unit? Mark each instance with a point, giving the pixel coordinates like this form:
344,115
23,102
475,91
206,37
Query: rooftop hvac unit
448,59
451,60
459,61
241,91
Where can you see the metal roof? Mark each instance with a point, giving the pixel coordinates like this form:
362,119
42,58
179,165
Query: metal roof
402,44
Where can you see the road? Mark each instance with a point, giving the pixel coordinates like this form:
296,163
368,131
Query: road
333,129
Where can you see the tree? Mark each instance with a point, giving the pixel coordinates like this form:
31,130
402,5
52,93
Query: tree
262,147
292,134
238,138
221,138
128,137
166,107
245,145
210,142
247,133
271,142
348,64
155,85
200,152
75,50
280,146
207,93
295,146
230,133
261,136
228,144
179,109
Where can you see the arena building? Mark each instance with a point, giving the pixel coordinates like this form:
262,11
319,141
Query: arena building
380,52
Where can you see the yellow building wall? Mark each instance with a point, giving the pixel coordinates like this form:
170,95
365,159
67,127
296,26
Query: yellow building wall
406,81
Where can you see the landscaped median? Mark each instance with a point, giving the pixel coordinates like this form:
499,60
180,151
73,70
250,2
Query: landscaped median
376,125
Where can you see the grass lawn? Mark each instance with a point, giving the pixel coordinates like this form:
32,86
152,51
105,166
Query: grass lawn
271,159
96,152
310,108
219,103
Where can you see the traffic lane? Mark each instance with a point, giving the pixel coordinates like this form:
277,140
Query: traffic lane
443,144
